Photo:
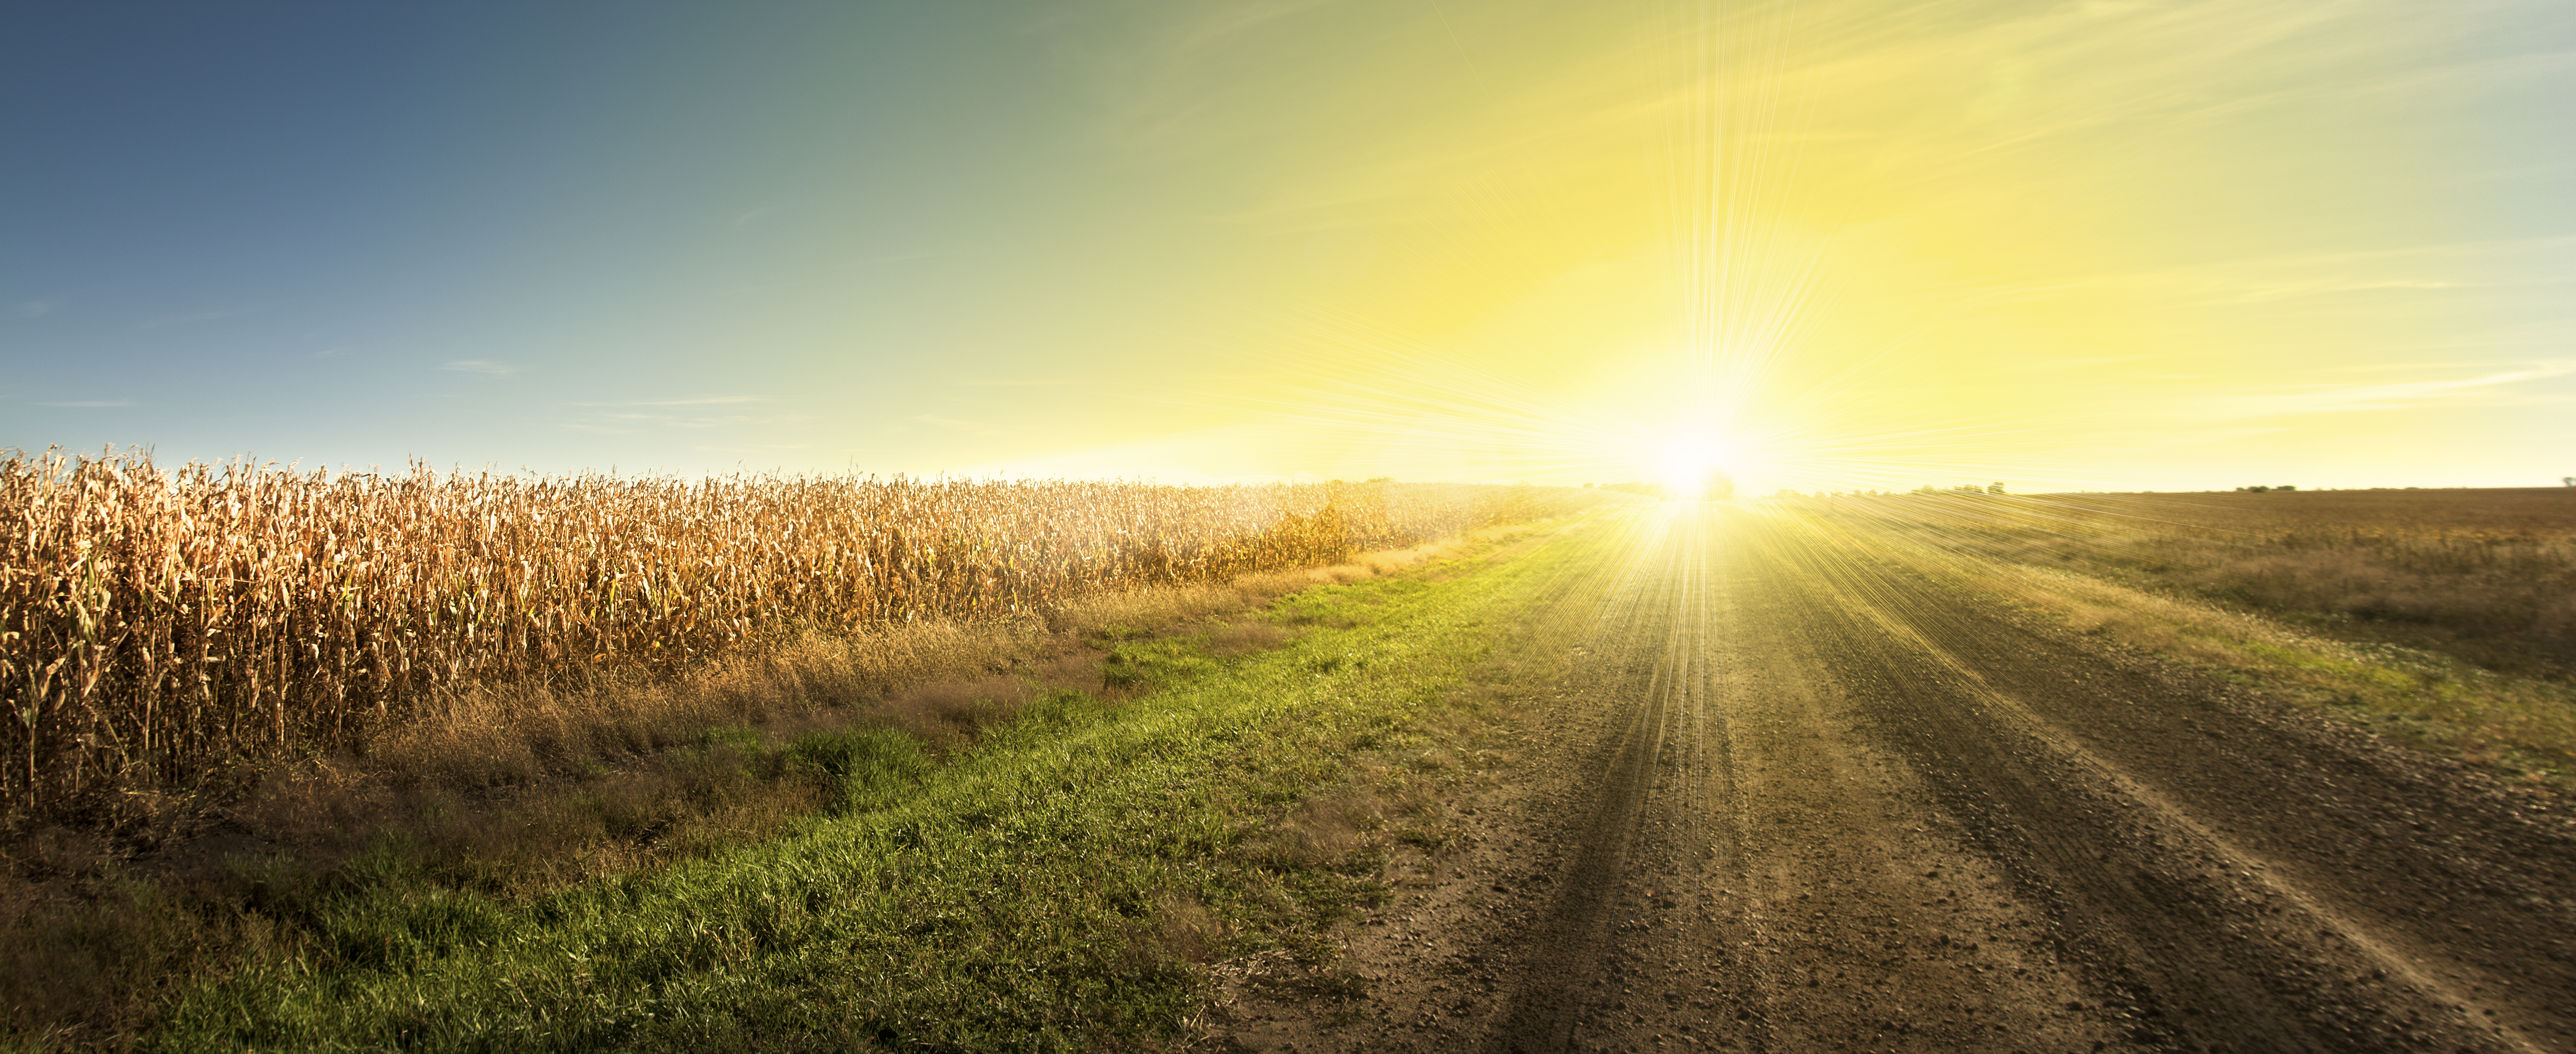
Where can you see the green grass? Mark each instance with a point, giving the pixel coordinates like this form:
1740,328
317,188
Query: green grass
1057,887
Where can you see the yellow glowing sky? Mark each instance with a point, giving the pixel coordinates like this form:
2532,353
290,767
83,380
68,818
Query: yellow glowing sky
2098,245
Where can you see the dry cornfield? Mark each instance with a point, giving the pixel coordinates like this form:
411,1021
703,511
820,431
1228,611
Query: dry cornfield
160,622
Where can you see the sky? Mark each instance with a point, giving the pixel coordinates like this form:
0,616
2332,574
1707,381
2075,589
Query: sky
1816,244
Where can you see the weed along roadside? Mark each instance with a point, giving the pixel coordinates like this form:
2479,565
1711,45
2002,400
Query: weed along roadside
1062,883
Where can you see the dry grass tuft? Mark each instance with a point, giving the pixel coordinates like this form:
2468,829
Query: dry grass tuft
949,712
1324,830
1245,638
1388,795
1179,929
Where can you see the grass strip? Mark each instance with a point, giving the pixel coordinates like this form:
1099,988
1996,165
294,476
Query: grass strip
1056,888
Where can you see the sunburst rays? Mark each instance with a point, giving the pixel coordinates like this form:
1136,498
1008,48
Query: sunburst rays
1746,374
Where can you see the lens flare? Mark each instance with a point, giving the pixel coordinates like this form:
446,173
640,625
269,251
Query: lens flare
1697,466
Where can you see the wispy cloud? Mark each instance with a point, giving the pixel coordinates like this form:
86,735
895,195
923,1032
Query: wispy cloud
948,422
201,316
2319,399
756,448
2495,264
1209,24
699,400
635,416
680,420
481,367
2197,437
828,273
92,403
2082,362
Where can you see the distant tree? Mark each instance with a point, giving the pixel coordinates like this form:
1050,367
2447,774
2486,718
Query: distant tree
1718,486
2289,487
2570,481
1996,487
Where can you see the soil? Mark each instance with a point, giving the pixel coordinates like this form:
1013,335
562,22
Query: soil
1790,800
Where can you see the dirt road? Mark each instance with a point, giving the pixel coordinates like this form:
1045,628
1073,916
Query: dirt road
1792,800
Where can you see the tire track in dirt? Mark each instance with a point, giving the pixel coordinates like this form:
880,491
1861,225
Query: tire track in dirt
2201,852
1794,800
1650,812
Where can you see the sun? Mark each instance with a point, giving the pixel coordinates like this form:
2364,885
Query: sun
1696,467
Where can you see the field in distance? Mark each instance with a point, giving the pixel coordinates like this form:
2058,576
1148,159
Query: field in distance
2486,575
